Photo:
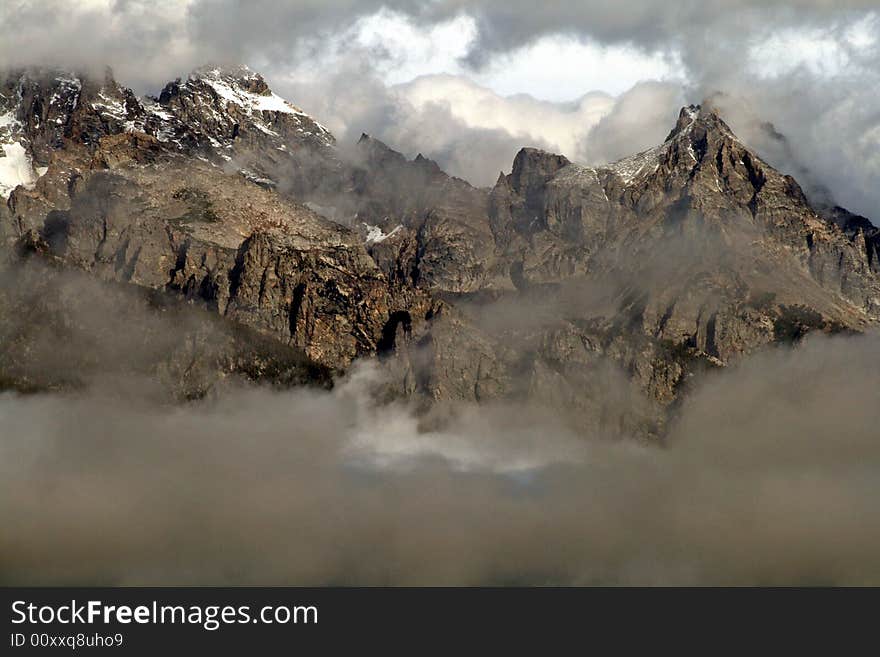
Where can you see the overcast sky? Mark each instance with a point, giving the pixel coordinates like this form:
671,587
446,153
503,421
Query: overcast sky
468,82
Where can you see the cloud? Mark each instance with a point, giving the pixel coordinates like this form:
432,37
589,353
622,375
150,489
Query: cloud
143,41
555,50
770,477
471,131
640,118
560,126
644,24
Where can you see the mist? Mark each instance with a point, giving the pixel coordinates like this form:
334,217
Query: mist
770,476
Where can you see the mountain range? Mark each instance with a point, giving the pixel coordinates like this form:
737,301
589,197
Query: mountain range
222,232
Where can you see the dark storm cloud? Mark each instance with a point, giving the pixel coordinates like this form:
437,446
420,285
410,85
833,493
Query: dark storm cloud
236,24
237,29
140,39
123,31
644,23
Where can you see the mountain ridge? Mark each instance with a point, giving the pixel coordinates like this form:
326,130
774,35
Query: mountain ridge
661,266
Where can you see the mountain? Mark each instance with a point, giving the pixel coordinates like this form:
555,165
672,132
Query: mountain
646,273
160,210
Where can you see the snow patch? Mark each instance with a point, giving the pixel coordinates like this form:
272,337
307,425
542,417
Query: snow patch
375,234
226,88
582,176
250,102
647,162
8,120
256,178
112,108
15,169
632,167
265,130
156,110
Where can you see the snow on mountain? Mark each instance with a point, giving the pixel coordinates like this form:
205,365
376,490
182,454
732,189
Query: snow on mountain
16,168
220,115
375,235
228,87
242,96
647,162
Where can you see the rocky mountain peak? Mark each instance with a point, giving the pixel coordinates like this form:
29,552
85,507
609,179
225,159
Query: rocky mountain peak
226,115
706,115
230,116
241,87
686,118
236,76
375,152
700,151
533,167
40,108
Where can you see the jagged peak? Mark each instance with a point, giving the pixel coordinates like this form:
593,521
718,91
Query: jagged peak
427,164
706,116
533,159
222,100
372,145
91,81
56,80
377,151
242,71
241,86
530,157
238,76
687,116
41,73
532,167
696,123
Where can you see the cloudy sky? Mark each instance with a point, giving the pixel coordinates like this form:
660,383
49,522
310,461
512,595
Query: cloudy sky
468,82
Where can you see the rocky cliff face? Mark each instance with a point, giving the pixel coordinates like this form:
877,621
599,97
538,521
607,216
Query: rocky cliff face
154,210
422,226
661,266
602,291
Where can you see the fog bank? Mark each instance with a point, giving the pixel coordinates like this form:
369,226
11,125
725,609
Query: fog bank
770,476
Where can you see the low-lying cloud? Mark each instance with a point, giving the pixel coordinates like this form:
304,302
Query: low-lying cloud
770,476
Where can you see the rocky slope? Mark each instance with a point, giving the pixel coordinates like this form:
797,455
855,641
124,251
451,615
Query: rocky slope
154,210
663,265
64,330
600,291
